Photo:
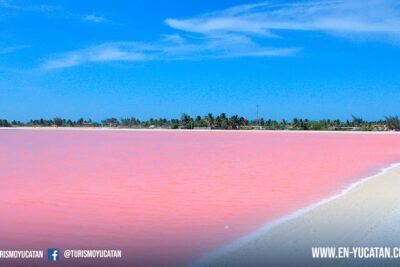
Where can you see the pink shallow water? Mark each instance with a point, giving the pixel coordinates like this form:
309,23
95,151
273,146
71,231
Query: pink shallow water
167,197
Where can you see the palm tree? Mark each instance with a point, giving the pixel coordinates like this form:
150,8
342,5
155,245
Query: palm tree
357,121
234,122
210,120
393,123
295,123
242,121
58,122
222,121
186,121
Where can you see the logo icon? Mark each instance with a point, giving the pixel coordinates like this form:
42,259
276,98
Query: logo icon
53,254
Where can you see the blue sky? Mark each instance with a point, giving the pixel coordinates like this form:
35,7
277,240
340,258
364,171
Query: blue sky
153,58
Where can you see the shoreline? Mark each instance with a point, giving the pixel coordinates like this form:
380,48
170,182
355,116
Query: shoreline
109,129
274,241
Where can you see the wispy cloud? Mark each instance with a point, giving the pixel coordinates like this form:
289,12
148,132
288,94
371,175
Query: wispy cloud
169,48
250,30
118,51
347,17
54,11
11,49
95,19
37,8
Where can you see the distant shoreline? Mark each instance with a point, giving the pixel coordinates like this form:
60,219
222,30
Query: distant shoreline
107,129
220,122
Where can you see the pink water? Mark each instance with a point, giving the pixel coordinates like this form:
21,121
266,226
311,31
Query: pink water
167,197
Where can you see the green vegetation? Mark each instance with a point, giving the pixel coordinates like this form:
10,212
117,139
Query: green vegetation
393,123
221,121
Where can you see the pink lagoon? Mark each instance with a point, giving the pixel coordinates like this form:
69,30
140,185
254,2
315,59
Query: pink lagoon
166,198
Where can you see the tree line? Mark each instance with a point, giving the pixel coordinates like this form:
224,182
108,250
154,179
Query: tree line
221,121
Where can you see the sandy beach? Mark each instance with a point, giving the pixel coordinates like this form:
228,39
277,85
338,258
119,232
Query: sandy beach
365,215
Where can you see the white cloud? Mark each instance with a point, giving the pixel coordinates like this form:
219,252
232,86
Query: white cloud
95,19
56,11
251,30
169,48
37,8
124,51
10,49
381,17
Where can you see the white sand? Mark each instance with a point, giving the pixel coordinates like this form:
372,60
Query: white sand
367,215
